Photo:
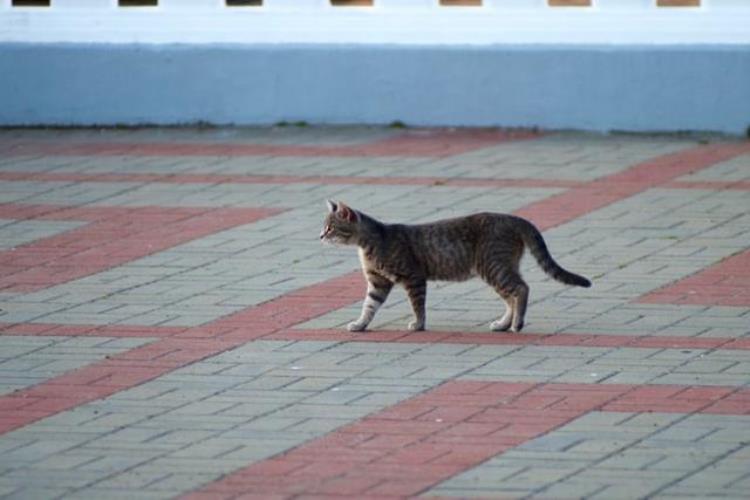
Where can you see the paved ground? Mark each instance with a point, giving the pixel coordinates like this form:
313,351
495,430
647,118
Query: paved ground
170,325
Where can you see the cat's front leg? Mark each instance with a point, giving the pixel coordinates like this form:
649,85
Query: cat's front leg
378,289
417,291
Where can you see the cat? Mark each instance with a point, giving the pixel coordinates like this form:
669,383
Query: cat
488,245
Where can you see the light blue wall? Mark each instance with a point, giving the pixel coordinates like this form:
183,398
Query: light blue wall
591,88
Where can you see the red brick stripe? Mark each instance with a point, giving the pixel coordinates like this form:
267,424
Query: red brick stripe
490,338
419,143
236,325
406,449
726,283
285,179
113,236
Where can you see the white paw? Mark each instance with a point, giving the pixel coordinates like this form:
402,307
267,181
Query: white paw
416,326
516,328
356,327
499,326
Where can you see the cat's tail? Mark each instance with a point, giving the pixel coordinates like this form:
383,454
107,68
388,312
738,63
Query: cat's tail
538,248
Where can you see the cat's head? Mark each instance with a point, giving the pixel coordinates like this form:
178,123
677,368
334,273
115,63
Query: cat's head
341,224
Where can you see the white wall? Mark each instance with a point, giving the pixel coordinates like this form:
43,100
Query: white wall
408,22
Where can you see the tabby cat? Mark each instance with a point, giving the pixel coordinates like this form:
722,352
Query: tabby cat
487,245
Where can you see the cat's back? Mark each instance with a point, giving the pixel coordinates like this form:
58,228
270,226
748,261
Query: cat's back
447,248
467,227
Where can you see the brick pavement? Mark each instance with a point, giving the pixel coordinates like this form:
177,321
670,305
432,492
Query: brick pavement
171,327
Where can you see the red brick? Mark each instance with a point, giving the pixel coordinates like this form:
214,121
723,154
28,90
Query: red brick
394,471
387,441
406,488
450,414
320,448
11,403
510,415
458,400
345,486
652,392
535,401
257,496
473,429
323,469
386,426
205,495
704,393
418,453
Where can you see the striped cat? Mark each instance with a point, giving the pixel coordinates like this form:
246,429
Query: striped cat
487,245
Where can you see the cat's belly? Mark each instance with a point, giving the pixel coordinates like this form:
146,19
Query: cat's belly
452,275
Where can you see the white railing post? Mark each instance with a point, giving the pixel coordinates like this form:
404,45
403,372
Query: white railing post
303,5
96,5
190,4
516,4
629,5
406,4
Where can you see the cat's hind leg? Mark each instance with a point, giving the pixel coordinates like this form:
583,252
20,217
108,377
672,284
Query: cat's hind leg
502,324
514,291
520,301
498,265
378,289
417,292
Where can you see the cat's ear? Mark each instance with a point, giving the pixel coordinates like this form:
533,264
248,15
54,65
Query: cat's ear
331,206
347,213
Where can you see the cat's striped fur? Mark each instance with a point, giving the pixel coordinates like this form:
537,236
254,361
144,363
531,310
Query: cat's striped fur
487,245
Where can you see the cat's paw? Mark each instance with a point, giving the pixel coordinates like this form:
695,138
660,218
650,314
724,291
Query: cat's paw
355,326
499,325
416,326
517,327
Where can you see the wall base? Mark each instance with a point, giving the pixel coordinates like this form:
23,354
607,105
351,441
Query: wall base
600,88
